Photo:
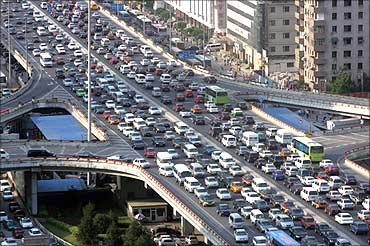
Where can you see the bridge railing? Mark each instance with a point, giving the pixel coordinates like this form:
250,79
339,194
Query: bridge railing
140,172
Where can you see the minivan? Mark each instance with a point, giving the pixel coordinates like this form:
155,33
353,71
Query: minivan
39,152
190,184
309,194
303,163
226,160
228,141
190,151
236,221
255,215
197,170
181,128
321,185
259,184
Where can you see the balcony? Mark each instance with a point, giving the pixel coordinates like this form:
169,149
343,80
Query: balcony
299,15
298,28
299,40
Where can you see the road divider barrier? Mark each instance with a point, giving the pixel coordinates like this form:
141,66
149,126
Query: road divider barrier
348,155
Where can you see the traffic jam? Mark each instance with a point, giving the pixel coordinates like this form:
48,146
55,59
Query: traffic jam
232,178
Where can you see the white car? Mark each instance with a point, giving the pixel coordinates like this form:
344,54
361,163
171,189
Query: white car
273,212
166,171
77,53
118,109
154,110
150,121
135,136
59,37
259,147
25,5
34,232
240,235
200,191
26,222
141,162
145,62
245,190
4,154
293,157
236,170
213,168
343,218
77,62
60,18
44,5
345,190
173,153
259,241
172,63
9,241
234,130
268,168
185,114
139,98
251,197
345,203
246,211
72,46
308,180
169,135
36,52
216,155
366,204
283,221
110,104
333,195
213,109
155,60
149,77
223,194
127,130
265,154
236,111
8,195
43,47
211,182
131,75
3,216
325,163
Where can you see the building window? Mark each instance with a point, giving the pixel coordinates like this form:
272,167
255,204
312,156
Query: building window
347,41
347,15
333,78
272,10
360,15
334,54
334,16
347,28
286,35
272,22
359,53
290,64
334,28
272,49
286,48
360,2
347,3
360,28
160,212
334,3
286,22
347,66
286,9
359,66
272,35
146,212
347,53
135,211
334,67
360,40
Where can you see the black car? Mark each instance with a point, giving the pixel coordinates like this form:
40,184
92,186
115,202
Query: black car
39,152
276,200
260,162
348,179
210,80
359,227
296,188
85,154
261,205
223,209
321,228
198,120
160,128
267,194
251,156
297,232
146,131
277,161
295,213
228,107
330,237
178,142
158,141
332,209
166,100
263,224
309,241
138,144
290,181
13,206
59,73
239,203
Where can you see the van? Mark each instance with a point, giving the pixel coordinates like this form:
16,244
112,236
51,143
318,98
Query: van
4,185
259,184
213,47
124,69
321,185
190,151
309,194
283,137
118,96
39,152
255,215
197,170
190,184
164,159
303,163
180,172
105,42
180,127
228,141
226,160
165,78
250,138
251,156
156,92
139,123
236,221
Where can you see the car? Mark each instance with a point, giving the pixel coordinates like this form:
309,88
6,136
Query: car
154,110
278,175
173,153
206,200
332,209
18,233
236,112
4,154
319,202
236,170
343,218
246,211
297,232
345,203
235,186
263,225
158,141
276,200
247,179
251,197
308,180
268,168
7,195
259,241
345,190
9,241
166,171
286,205
240,235
138,144
284,222
9,224
307,221
213,168
34,232
211,182
261,204
3,216
13,206
321,228
357,196
196,109
26,222
363,214
296,213
330,237
216,155
333,195
223,209
223,194
325,163
359,227
141,162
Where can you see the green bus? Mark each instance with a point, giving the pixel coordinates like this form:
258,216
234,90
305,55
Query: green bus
307,148
216,94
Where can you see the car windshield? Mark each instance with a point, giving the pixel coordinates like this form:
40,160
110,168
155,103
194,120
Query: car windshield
240,233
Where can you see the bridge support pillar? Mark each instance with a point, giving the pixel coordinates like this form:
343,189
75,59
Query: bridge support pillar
88,178
119,186
186,227
34,207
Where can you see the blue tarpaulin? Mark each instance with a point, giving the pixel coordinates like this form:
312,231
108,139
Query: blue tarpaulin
60,185
60,127
291,118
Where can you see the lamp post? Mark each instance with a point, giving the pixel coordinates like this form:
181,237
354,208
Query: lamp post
170,37
25,39
89,71
9,56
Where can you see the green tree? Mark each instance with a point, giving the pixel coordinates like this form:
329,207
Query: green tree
113,236
162,13
102,222
342,84
136,234
86,231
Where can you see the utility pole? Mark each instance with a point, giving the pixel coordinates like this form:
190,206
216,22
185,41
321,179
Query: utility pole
89,71
170,37
25,39
144,19
9,49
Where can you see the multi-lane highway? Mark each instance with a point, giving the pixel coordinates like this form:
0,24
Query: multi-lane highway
209,214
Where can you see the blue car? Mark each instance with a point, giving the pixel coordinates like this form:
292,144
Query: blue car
359,227
208,149
278,175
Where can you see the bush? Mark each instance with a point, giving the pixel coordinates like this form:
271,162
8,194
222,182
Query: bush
59,224
102,222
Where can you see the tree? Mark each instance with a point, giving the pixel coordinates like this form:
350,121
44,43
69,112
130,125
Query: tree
86,231
113,234
102,222
137,234
342,84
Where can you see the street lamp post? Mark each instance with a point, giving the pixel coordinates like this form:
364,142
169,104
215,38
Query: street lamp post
170,37
9,49
25,39
89,71
144,19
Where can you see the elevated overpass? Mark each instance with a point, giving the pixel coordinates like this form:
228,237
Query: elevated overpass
217,235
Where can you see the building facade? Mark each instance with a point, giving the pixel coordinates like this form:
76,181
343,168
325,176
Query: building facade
263,33
333,36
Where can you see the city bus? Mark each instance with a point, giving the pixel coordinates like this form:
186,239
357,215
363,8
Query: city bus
307,148
216,94
280,238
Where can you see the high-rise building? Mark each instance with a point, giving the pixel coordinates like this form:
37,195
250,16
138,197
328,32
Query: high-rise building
333,36
263,33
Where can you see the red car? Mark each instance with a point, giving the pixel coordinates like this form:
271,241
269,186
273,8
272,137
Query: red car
178,107
113,60
199,99
113,119
322,175
180,97
247,179
18,233
188,93
107,114
225,116
150,152
332,170
59,60
308,222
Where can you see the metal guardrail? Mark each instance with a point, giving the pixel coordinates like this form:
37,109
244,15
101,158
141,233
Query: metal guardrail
348,153
116,166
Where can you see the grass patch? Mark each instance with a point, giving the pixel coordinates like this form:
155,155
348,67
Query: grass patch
124,221
62,230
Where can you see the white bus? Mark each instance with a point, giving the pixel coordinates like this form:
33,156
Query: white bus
283,136
46,60
181,171
213,47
